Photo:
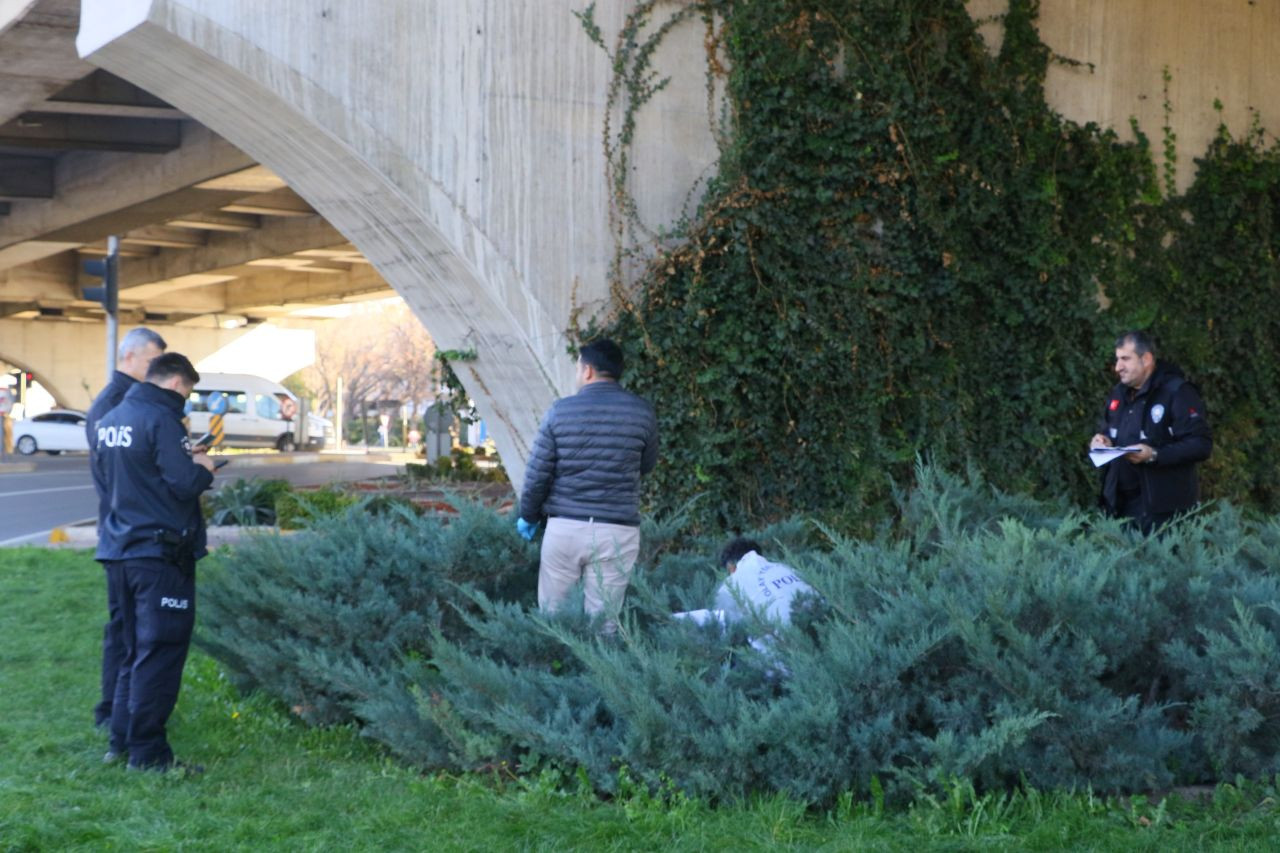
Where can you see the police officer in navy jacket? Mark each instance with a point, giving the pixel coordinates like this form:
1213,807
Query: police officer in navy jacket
133,357
1156,410
149,542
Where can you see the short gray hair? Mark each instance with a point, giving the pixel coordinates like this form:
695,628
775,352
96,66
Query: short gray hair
137,339
1140,340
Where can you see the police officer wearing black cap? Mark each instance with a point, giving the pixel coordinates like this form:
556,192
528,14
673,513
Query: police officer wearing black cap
1154,409
149,542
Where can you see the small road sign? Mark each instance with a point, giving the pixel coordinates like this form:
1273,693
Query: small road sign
217,429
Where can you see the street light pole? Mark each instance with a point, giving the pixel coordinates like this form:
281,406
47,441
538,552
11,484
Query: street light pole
112,303
108,295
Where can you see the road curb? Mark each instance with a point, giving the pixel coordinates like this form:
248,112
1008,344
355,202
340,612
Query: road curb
264,460
81,536
17,467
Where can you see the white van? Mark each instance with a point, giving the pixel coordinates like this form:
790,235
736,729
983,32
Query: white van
260,413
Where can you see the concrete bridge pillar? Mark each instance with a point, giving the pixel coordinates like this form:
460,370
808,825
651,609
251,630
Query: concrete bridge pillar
69,358
458,144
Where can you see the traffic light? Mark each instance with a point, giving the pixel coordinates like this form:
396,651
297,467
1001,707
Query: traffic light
107,269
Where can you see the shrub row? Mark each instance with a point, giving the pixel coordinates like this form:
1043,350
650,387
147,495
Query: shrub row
981,636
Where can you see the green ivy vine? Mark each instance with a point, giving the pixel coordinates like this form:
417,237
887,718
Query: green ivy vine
906,251
457,400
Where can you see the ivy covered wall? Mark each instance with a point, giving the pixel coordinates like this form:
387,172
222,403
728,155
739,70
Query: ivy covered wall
907,251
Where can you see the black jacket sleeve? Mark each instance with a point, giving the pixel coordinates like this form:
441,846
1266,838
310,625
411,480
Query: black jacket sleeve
185,479
1190,439
539,471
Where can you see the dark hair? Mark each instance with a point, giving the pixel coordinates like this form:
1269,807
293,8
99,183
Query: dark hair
737,549
172,364
1140,340
604,356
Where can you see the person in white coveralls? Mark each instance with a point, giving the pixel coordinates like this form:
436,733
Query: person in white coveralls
755,585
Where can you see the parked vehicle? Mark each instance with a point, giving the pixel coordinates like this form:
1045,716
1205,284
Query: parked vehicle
319,432
52,432
260,413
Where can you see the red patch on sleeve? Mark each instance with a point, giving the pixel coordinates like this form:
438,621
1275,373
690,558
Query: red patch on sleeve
1115,404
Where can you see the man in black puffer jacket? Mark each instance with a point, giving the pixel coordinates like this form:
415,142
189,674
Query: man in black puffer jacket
584,476
1156,410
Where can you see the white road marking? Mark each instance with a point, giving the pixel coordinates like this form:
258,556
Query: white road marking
43,491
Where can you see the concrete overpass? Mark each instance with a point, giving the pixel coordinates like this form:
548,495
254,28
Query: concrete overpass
459,145
212,243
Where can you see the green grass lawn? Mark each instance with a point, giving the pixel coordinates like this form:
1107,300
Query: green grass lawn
274,784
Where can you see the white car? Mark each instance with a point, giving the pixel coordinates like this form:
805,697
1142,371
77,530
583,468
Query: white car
52,432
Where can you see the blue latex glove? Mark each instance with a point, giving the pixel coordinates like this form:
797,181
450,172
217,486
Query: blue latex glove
526,529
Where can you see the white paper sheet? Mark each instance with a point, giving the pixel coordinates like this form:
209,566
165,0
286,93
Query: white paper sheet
1100,456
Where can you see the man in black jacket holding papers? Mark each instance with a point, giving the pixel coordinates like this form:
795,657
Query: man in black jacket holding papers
1156,411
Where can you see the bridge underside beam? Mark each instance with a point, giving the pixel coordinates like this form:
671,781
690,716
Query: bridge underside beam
113,190
224,250
92,133
26,177
465,162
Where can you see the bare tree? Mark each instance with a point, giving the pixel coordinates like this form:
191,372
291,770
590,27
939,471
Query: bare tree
411,362
381,352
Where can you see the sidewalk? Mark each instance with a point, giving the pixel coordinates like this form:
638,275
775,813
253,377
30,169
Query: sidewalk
18,465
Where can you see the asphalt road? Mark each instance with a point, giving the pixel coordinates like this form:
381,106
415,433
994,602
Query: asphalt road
59,491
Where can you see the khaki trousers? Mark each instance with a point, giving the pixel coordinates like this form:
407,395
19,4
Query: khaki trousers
596,552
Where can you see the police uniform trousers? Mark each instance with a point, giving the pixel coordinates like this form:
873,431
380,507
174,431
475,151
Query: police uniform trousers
158,609
1131,506
112,654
